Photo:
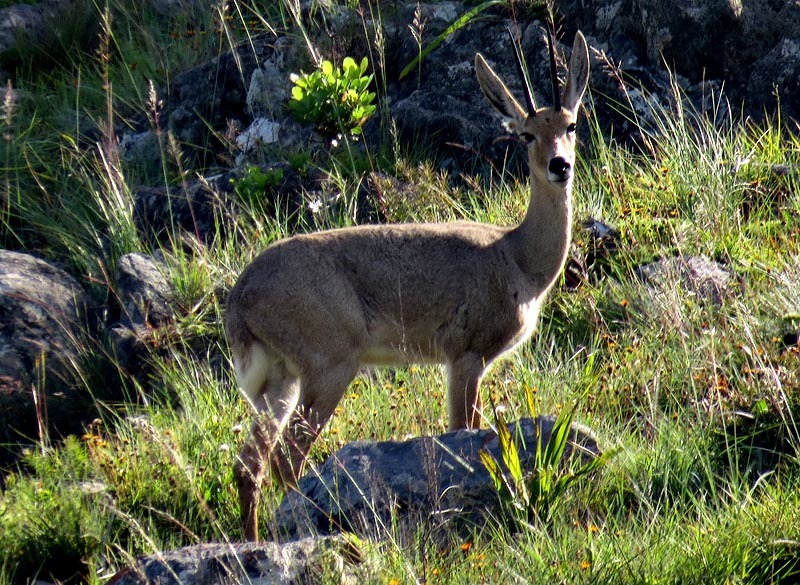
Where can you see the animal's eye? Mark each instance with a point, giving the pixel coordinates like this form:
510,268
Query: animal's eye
571,128
527,136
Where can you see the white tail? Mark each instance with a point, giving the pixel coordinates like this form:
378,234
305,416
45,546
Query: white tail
310,310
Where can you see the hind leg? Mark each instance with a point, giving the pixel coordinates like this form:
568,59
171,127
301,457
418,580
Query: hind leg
321,391
274,393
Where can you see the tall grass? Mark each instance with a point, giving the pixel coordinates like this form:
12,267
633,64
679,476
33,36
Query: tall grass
698,399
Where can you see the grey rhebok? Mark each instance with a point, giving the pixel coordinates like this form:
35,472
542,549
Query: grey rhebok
312,309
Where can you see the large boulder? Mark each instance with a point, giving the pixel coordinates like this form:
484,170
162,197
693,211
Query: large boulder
362,488
366,487
748,45
44,316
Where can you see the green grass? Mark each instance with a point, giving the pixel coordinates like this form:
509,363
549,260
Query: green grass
699,401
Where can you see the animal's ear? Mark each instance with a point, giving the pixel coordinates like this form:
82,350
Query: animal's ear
497,93
578,77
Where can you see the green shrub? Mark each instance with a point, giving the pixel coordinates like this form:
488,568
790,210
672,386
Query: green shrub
255,183
336,100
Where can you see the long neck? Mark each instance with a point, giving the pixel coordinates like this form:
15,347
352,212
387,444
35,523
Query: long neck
541,241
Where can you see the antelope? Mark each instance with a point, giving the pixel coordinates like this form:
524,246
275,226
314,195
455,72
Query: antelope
312,309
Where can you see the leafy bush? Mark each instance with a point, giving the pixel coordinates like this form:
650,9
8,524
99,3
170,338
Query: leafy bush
255,183
335,99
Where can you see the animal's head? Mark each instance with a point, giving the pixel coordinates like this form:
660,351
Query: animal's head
548,132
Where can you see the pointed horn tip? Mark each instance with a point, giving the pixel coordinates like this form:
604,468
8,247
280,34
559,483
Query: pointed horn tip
553,69
526,84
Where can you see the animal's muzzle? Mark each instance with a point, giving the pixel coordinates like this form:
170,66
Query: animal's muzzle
559,169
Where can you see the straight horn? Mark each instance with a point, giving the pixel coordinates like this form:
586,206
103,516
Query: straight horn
523,74
553,70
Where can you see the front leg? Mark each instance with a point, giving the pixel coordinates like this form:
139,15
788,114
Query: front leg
464,399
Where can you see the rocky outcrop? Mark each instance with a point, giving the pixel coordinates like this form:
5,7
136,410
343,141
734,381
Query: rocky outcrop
751,46
144,298
365,487
51,342
44,317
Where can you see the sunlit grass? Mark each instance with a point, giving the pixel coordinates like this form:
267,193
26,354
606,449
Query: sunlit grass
699,399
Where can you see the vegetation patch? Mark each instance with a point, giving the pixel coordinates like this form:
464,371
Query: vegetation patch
696,397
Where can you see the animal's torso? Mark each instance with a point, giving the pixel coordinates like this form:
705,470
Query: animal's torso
395,294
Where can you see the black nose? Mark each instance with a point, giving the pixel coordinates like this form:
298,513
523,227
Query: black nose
559,167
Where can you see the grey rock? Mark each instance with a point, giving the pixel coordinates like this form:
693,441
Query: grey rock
748,45
17,20
206,206
26,28
704,280
195,210
44,317
366,486
142,148
699,40
261,131
201,119
43,311
307,561
145,300
270,86
129,347
780,68
143,291
459,122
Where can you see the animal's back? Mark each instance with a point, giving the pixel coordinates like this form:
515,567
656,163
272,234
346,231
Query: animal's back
394,293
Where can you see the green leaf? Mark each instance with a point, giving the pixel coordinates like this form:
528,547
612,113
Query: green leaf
492,467
509,451
499,479
760,407
334,99
559,437
530,397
